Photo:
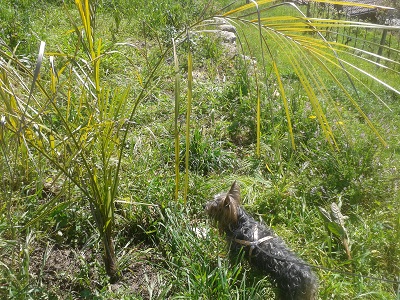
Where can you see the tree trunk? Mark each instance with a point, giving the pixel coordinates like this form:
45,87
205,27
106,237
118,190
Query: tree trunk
110,261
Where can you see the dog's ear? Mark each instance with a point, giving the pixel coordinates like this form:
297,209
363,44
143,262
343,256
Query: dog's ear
227,201
234,192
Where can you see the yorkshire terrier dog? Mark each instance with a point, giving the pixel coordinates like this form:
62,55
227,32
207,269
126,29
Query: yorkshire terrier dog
263,248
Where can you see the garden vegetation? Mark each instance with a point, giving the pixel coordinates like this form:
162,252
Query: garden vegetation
120,119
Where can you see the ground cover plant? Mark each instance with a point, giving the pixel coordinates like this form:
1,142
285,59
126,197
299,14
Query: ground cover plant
131,115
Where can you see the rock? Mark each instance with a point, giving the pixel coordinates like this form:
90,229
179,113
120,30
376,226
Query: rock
228,28
228,37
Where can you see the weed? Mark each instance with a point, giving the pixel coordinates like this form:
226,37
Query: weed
208,156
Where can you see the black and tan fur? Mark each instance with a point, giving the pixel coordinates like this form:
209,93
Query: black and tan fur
264,249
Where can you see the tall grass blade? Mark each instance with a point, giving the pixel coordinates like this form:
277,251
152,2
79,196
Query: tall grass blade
37,70
258,110
188,114
176,116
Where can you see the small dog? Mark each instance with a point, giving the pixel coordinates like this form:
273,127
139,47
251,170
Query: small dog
264,250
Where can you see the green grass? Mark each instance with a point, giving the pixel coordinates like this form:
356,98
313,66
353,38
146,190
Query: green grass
166,249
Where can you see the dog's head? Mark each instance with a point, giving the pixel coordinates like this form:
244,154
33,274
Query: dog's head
224,207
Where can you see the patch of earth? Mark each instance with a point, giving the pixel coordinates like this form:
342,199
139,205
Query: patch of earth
79,273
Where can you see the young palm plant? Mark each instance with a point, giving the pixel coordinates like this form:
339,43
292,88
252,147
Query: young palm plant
75,120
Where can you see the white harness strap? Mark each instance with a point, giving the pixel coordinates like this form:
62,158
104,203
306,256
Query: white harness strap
254,243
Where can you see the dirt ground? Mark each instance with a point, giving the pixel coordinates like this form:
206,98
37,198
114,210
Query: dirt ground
67,273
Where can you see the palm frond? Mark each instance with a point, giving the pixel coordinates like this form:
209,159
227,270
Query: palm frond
310,47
